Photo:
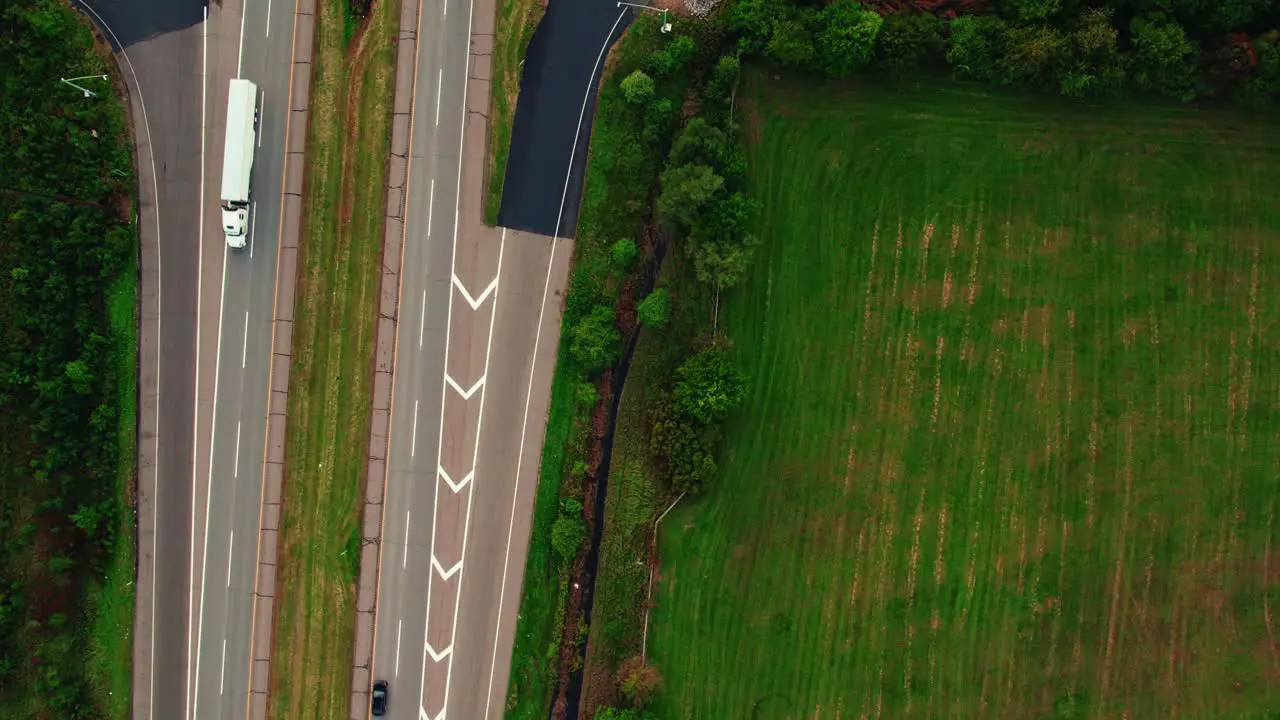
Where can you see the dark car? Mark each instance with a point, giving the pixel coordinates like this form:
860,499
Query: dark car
379,698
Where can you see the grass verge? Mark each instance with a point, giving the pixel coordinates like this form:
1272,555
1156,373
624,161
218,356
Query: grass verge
110,660
513,29
331,381
626,152
1006,451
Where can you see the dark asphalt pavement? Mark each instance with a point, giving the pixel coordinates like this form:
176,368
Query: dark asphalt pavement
162,39
553,115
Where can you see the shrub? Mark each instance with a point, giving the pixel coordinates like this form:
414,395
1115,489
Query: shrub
638,88
638,681
673,57
655,310
709,385
847,36
976,44
594,342
625,253
567,534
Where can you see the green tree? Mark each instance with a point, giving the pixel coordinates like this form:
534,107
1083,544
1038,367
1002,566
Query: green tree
908,41
700,143
709,385
723,77
1033,55
567,534
1034,11
846,36
1096,65
655,310
753,21
594,339
1165,60
673,57
638,88
976,43
625,252
791,42
683,449
686,190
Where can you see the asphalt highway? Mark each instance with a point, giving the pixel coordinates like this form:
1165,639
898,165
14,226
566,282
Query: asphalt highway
252,40
477,333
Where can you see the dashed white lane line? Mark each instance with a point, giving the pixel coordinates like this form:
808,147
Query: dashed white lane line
268,33
413,441
253,215
223,675
439,84
244,351
398,624
422,321
236,468
262,103
431,205
230,546
404,561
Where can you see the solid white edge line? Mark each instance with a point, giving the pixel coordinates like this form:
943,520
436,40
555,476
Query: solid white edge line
195,425
155,189
471,493
231,544
533,364
244,352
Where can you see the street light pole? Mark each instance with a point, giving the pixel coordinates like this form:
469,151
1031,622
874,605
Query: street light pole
666,26
87,92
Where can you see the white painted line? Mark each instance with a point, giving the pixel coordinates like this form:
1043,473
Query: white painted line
445,574
223,675
438,656
268,18
230,546
422,322
475,302
431,204
455,487
466,394
398,623
195,424
244,352
262,103
533,363
475,455
240,55
404,560
253,215
208,490
413,441
236,468
155,492
439,85
422,713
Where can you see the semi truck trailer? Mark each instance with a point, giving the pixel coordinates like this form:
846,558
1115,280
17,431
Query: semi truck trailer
237,160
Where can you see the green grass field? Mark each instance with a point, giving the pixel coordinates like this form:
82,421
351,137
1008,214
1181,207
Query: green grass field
1010,448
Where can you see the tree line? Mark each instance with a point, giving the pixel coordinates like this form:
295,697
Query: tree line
65,240
1178,49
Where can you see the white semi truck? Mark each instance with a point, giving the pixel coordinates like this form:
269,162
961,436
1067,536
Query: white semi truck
237,160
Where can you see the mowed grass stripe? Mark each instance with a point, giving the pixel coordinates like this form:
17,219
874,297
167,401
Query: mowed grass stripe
1009,448
331,377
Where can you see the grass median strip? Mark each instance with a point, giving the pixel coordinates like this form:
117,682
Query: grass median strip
513,29
331,381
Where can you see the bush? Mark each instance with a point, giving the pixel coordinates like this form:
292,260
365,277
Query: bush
673,57
655,310
976,44
594,340
567,534
846,37
625,253
709,385
908,41
638,681
638,88
1165,60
